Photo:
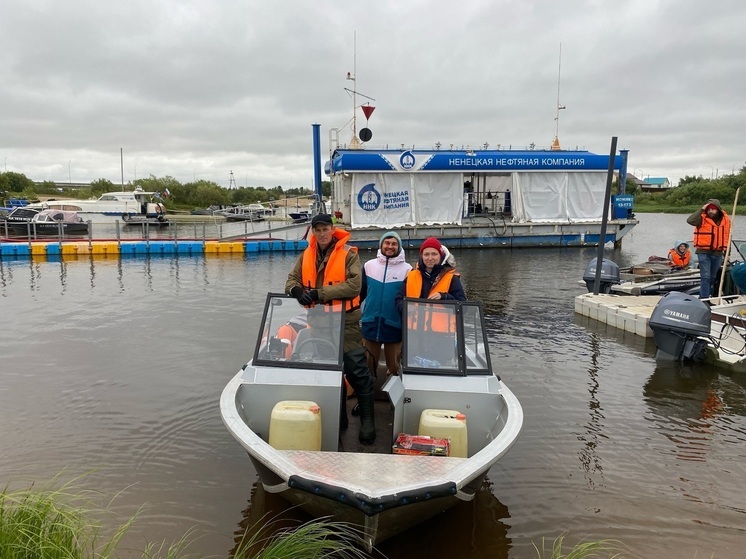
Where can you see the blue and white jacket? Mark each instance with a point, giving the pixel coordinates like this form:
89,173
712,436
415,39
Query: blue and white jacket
382,280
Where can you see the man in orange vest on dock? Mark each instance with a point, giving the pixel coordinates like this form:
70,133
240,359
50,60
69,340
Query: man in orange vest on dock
711,236
329,271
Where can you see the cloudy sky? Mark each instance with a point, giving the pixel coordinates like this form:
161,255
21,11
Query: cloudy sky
197,89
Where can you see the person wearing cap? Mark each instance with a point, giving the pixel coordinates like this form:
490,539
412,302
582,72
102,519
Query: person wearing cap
679,256
711,237
383,277
434,276
329,271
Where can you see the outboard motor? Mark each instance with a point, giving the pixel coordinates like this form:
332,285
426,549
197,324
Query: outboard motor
677,322
609,275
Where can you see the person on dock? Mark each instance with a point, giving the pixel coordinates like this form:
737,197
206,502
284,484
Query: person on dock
329,271
679,256
711,234
381,325
434,276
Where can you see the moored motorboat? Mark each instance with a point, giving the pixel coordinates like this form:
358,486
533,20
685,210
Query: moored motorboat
242,213
51,222
159,221
650,278
656,278
110,206
447,390
299,216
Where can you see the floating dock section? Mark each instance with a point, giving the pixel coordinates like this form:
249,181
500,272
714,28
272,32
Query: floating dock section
625,312
147,247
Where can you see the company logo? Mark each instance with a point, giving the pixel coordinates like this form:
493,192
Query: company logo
676,314
406,160
369,198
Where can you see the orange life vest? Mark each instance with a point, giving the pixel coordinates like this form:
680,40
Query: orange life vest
711,236
435,319
677,260
335,270
289,331
414,283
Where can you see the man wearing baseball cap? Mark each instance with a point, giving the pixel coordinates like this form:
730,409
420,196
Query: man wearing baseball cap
329,271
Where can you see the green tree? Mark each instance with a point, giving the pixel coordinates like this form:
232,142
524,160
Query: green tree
16,182
100,186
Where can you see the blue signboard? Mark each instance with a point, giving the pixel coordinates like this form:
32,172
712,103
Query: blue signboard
469,161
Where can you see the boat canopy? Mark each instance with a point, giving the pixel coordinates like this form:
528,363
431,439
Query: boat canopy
56,215
397,188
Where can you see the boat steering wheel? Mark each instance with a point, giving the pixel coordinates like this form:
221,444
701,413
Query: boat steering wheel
320,349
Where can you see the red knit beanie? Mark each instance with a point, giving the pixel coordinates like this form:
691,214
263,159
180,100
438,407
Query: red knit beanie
431,242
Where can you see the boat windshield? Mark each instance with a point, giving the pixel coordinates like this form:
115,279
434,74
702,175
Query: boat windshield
295,336
445,338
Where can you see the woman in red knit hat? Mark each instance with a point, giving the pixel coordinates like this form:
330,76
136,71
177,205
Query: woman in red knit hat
434,276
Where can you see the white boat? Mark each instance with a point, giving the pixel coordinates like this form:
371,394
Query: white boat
727,343
110,206
380,490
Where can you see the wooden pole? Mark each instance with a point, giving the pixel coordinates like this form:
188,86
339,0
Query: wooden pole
727,249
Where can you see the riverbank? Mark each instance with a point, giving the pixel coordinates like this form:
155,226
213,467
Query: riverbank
660,209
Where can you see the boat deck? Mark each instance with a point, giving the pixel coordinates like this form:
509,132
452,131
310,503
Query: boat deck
384,418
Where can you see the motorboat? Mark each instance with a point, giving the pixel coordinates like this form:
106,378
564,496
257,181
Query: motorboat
110,206
299,216
209,210
656,277
51,222
20,214
262,210
141,220
650,278
446,419
727,342
243,213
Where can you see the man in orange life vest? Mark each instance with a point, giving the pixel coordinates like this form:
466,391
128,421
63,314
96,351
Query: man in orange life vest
330,271
711,235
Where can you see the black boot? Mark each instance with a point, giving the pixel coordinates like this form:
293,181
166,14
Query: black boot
367,424
343,421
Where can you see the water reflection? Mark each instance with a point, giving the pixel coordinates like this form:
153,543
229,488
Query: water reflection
470,530
589,456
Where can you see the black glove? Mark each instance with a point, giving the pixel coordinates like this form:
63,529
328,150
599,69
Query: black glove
309,297
297,292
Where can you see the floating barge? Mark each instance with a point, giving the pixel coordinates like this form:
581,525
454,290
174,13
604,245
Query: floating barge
624,312
67,248
467,198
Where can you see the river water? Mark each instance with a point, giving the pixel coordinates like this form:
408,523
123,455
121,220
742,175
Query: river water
114,368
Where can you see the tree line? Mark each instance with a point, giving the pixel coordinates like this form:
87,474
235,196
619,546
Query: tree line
691,190
201,193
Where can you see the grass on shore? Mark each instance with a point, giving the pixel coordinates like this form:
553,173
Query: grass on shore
64,523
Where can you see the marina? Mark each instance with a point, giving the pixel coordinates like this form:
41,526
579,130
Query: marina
614,444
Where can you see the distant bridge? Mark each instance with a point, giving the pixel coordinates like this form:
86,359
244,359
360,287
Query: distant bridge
67,184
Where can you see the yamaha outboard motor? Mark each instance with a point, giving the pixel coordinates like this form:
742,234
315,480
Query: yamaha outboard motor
609,275
677,322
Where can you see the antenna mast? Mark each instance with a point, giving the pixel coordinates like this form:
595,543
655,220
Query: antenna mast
354,142
556,144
